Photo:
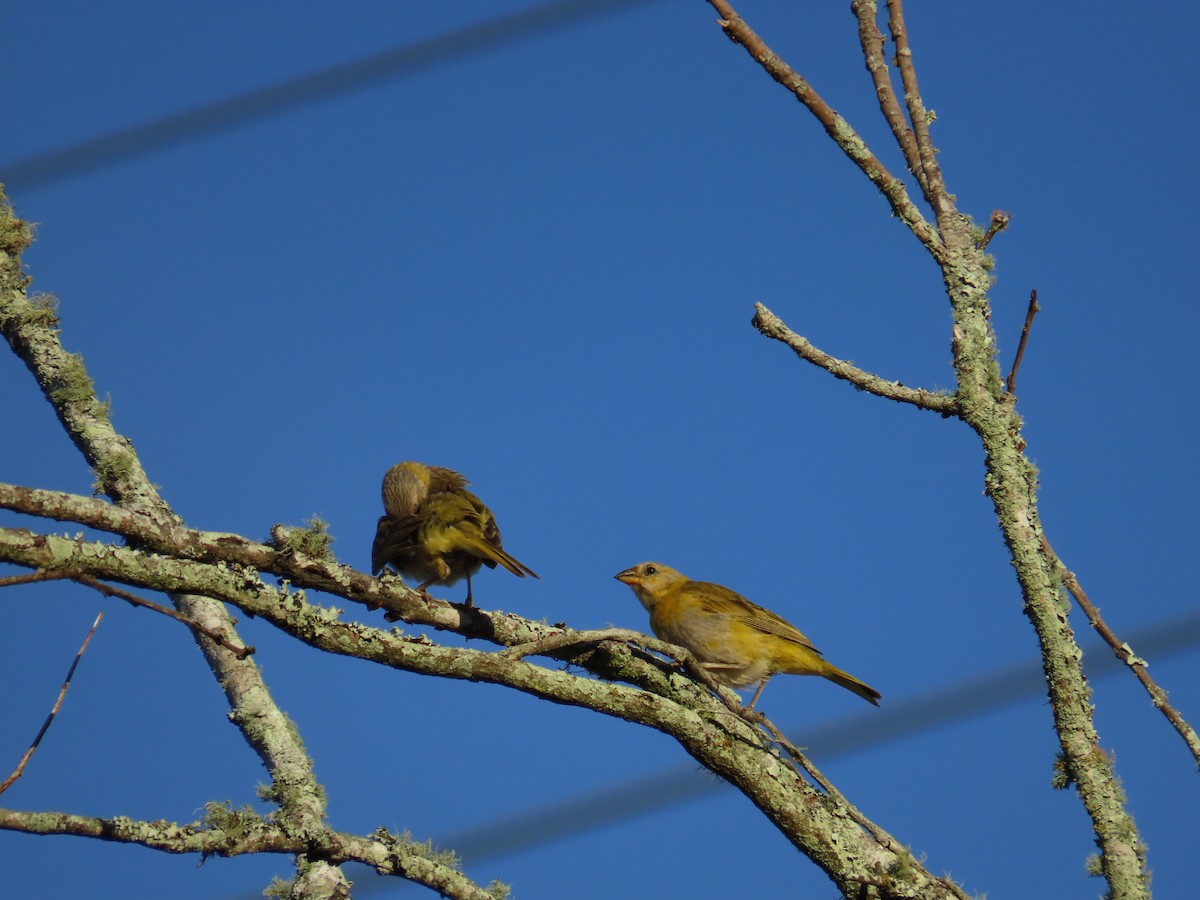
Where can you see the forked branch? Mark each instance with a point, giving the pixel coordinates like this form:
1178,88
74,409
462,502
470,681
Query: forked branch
981,403
835,126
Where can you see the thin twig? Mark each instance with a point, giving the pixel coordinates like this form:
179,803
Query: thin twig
999,222
874,54
934,188
842,133
62,692
1124,652
800,760
794,752
773,327
109,591
31,578
1010,385
241,652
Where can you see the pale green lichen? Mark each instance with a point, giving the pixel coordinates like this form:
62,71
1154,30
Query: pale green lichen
43,311
233,823
15,234
111,472
312,541
1061,779
405,845
279,888
72,385
425,850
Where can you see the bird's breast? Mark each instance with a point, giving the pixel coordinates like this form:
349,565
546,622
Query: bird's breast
712,637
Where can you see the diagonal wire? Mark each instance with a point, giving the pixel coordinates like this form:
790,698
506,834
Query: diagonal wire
650,793
222,115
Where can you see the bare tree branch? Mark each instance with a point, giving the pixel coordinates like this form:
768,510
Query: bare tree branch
874,54
1125,653
835,126
62,692
1010,383
934,188
110,591
1010,479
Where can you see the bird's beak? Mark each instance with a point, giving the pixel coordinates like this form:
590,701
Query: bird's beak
629,576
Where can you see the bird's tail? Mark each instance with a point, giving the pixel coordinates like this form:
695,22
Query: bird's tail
511,563
850,683
491,555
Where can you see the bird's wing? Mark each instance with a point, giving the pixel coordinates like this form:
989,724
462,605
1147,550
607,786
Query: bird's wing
443,479
742,610
459,522
392,538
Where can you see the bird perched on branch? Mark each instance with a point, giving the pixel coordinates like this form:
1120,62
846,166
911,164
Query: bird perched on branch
739,642
434,530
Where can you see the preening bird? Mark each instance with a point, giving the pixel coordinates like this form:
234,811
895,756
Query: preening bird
739,642
436,531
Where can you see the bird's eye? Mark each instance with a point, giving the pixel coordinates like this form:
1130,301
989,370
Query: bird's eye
650,570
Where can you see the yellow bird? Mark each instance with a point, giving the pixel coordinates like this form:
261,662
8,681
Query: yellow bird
436,531
739,642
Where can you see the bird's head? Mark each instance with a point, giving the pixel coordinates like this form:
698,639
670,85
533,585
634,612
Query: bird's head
407,484
405,487
651,581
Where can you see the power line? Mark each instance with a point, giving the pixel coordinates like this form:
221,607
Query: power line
668,787
222,115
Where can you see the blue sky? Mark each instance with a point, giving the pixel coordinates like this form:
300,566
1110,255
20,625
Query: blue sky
537,265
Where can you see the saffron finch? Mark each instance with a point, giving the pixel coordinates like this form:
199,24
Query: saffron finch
436,531
739,642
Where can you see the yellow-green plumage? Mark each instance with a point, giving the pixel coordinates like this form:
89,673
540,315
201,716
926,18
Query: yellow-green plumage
739,642
436,531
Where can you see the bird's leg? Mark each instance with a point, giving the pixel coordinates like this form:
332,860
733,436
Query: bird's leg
762,684
443,572
470,602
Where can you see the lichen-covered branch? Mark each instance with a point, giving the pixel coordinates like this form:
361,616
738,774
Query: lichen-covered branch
1011,482
323,574
817,823
773,327
1124,652
226,832
1010,478
31,329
